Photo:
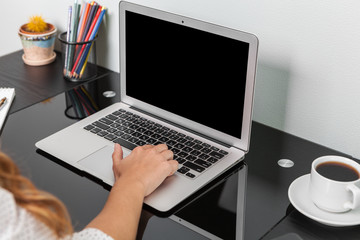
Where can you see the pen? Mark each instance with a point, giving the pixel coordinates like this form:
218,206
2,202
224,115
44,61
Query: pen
2,101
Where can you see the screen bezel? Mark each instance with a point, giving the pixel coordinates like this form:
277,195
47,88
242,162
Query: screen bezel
241,143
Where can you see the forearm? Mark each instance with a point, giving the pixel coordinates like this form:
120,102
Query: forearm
120,215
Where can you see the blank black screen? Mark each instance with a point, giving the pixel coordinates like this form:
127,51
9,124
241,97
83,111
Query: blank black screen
195,74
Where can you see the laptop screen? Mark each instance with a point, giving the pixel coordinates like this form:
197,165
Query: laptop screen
189,72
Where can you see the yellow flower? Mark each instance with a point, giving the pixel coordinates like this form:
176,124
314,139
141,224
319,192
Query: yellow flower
37,24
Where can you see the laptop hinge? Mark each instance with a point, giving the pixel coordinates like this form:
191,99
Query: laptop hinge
182,127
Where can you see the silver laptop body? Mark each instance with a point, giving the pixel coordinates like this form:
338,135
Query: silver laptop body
190,80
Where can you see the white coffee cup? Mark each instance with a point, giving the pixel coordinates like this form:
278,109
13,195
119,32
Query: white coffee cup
329,192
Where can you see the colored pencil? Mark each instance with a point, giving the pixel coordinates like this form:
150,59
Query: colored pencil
86,39
83,24
93,9
84,18
73,32
92,36
67,39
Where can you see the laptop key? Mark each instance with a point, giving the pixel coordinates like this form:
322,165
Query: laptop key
144,137
115,125
141,143
122,128
212,160
171,143
123,116
120,121
174,150
101,125
191,158
182,140
203,163
181,135
133,139
183,170
214,148
156,136
205,150
224,152
195,153
125,144
102,133
163,139
126,136
189,138
182,154
148,132
190,175
206,145
111,117
179,146
119,133
216,154
151,141
190,143
129,131
117,113
197,146
126,124
110,137
159,130
204,156
95,130
180,160
111,130
134,126
165,128
136,134
141,130
187,149
173,137
89,127
194,166
106,121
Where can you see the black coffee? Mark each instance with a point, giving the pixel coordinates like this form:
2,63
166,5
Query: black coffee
338,171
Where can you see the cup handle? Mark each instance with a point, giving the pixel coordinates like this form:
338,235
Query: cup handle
356,197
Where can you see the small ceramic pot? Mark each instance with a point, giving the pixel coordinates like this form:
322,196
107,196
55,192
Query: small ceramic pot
38,47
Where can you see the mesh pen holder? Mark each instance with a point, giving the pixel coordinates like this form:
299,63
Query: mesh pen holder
79,59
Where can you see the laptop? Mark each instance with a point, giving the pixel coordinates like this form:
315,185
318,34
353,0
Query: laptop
183,82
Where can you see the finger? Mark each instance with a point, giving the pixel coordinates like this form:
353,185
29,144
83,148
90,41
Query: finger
117,156
174,165
161,147
118,153
147,146
168,154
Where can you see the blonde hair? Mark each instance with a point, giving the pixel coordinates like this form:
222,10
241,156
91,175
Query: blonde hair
43,206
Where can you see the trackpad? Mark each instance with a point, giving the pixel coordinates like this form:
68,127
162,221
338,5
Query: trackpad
99,164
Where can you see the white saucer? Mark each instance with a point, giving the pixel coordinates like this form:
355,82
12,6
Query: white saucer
299,198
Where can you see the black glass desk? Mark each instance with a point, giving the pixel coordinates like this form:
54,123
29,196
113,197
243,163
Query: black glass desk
250,202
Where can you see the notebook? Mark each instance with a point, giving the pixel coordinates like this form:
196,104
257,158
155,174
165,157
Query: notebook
6,97
185,82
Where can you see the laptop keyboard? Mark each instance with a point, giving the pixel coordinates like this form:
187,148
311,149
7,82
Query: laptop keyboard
131,130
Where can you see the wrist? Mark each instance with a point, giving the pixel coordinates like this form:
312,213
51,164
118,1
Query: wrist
130,184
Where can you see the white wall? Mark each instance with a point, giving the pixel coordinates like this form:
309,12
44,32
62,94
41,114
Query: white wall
308,80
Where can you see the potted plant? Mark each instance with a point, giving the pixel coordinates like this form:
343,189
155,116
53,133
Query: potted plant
38,39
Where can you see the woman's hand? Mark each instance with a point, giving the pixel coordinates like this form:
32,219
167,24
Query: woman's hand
148,165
